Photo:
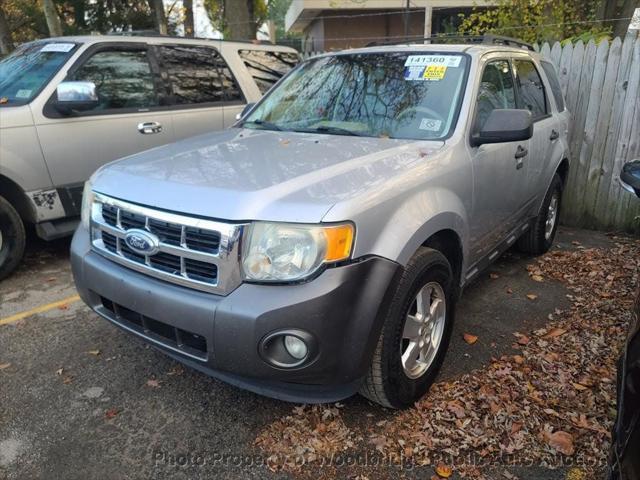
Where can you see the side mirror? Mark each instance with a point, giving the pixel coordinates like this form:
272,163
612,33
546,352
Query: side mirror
76,96
245,110
630,177
505,125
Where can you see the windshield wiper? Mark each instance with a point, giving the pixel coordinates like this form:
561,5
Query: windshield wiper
336,130
264,123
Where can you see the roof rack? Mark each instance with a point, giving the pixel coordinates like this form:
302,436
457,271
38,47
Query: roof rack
155,33
486,39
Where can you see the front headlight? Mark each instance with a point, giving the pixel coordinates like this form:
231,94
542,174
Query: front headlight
284,252
87,202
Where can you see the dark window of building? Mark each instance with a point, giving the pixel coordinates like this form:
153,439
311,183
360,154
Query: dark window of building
199,75
556,89
495,92
531,88
123,79
267,67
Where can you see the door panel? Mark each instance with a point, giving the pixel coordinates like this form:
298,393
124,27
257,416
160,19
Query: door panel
533,96
75,146
203,90
499,178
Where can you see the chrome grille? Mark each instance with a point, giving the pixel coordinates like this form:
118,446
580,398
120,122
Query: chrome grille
196,253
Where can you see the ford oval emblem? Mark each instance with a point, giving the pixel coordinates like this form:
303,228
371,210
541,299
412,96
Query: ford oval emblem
142,242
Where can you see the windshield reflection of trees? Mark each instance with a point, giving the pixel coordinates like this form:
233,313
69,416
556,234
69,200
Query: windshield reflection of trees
366,93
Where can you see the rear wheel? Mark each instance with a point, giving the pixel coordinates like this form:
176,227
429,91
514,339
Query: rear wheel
416,333
539,238
12,238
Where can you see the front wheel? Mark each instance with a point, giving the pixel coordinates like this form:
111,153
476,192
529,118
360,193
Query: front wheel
12,238
539,238
415,334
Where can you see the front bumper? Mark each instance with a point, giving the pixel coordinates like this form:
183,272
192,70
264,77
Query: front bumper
220,335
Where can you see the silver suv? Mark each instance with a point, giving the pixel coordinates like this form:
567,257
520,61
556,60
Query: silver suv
318,247
69,105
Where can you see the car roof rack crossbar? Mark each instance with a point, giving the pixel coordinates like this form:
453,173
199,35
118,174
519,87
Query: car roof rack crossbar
155,33
486,39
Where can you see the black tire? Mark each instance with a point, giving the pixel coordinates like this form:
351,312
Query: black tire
386,382
535,240
13,238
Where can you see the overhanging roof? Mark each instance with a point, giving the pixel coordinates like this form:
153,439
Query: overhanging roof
302,12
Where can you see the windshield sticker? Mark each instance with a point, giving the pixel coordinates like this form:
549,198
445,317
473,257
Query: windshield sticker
430,124
434,72
58,47
429,60
23,93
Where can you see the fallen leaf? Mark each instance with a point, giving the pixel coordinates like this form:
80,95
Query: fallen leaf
176,370
94,352
518,359
493,276
579,386
284,143
4,365
532,296
153,383
556,332
561,441
59,371
64,306
509,290
67,379
537,278
111,413
470,339
443,470
523,340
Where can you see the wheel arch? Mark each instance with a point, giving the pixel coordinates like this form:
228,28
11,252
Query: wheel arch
12,192
563,170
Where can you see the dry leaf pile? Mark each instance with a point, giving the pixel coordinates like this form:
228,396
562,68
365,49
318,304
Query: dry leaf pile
554,398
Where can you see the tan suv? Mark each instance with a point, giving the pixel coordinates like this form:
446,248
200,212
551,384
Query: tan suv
71,104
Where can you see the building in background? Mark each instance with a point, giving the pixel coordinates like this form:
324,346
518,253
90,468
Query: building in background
338,24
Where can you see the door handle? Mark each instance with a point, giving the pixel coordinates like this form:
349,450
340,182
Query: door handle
521,152
554,135
149,128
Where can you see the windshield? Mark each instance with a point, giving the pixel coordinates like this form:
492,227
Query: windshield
396,95
25,72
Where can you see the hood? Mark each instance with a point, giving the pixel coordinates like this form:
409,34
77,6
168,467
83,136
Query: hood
244,174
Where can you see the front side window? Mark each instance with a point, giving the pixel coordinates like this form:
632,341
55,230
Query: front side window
267,67
397,95
556,89
123,79
198,75
531,88
496,91
27,70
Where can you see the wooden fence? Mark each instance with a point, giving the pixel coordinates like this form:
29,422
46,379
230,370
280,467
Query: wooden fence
601,85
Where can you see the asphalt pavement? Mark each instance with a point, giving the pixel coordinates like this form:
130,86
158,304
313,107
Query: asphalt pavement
81,399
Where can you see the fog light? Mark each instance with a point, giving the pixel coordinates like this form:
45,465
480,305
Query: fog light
295,347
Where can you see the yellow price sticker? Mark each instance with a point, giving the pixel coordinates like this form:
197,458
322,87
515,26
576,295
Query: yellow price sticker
434,72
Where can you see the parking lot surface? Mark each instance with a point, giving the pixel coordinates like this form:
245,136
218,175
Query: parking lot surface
81,399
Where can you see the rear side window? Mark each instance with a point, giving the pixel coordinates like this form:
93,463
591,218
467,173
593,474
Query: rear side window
199,75
556,89
496,91
531,89
268,67
123,79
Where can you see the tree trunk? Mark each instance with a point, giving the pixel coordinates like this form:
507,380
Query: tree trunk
6,42
239,19
160,19
620,26
52,17
188,18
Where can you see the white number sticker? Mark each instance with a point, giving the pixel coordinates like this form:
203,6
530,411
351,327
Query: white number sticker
58,47
433,60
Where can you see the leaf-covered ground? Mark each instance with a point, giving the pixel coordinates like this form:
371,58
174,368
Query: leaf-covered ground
551,403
